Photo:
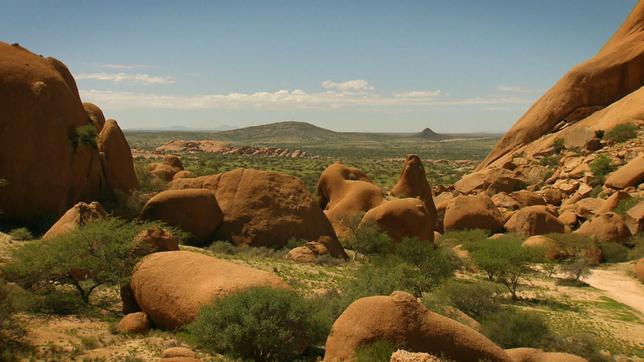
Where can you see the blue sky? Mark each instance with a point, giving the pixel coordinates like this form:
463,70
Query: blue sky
454,66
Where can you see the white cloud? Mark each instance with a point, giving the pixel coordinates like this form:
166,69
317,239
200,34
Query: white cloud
288,99
419,94
123,66
513,89
356,85
146,79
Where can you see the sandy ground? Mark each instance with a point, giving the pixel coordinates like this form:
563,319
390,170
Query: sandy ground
617,284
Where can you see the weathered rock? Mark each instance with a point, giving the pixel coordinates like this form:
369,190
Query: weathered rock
263,208
527,198
494,180
579,138
74,218
639,270
612,201
631,174
606,227
605,78
635,218
195,211
441,202
172,286
46,170
552,196
95,115
404,356
537,355
154,240
137,322
503,200
403,218
404,321
568,218
586,208
534,220
309,252
551,248
116,158
472,212
183,174
413,183
168,169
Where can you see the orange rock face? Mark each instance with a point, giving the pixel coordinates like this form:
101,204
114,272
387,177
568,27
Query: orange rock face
403,320
534,220
263,208
345,192
614,72
195,211
45,172
172,286
631,174
403,218
472,212
75,217
413,183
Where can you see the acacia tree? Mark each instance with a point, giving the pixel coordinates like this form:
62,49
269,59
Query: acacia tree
504,260
99,253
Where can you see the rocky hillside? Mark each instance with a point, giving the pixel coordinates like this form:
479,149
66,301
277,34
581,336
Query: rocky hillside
598,94
209,146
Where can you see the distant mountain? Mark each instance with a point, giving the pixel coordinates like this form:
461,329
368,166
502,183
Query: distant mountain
428,134
280,133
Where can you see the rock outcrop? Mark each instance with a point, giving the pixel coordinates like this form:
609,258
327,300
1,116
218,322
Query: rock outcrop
631,174
172,286
195,211
116,158
74,218
166,171
137,322
402,218
534,220
613,73
262,208
403,320
413,183
472,212
606,227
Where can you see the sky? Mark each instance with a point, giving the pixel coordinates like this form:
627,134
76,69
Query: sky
381,66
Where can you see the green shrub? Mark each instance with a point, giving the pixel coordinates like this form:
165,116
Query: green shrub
576,267
21,234
614,252
11,333
512,328
3,182
261,324
550,161
638,247
504,260
476,299
463,237
626,204
61,302
98,253
576,254
600,133
378,351
601,166
558,145
85,135
367,239
621,133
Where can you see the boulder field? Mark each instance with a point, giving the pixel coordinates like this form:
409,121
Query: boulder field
46,163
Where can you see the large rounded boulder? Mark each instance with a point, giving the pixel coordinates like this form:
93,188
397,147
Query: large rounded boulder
76,217
172,286
472,212
45,170
263,208
401,319
195,211
606,227
95,115
534,220
403,218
